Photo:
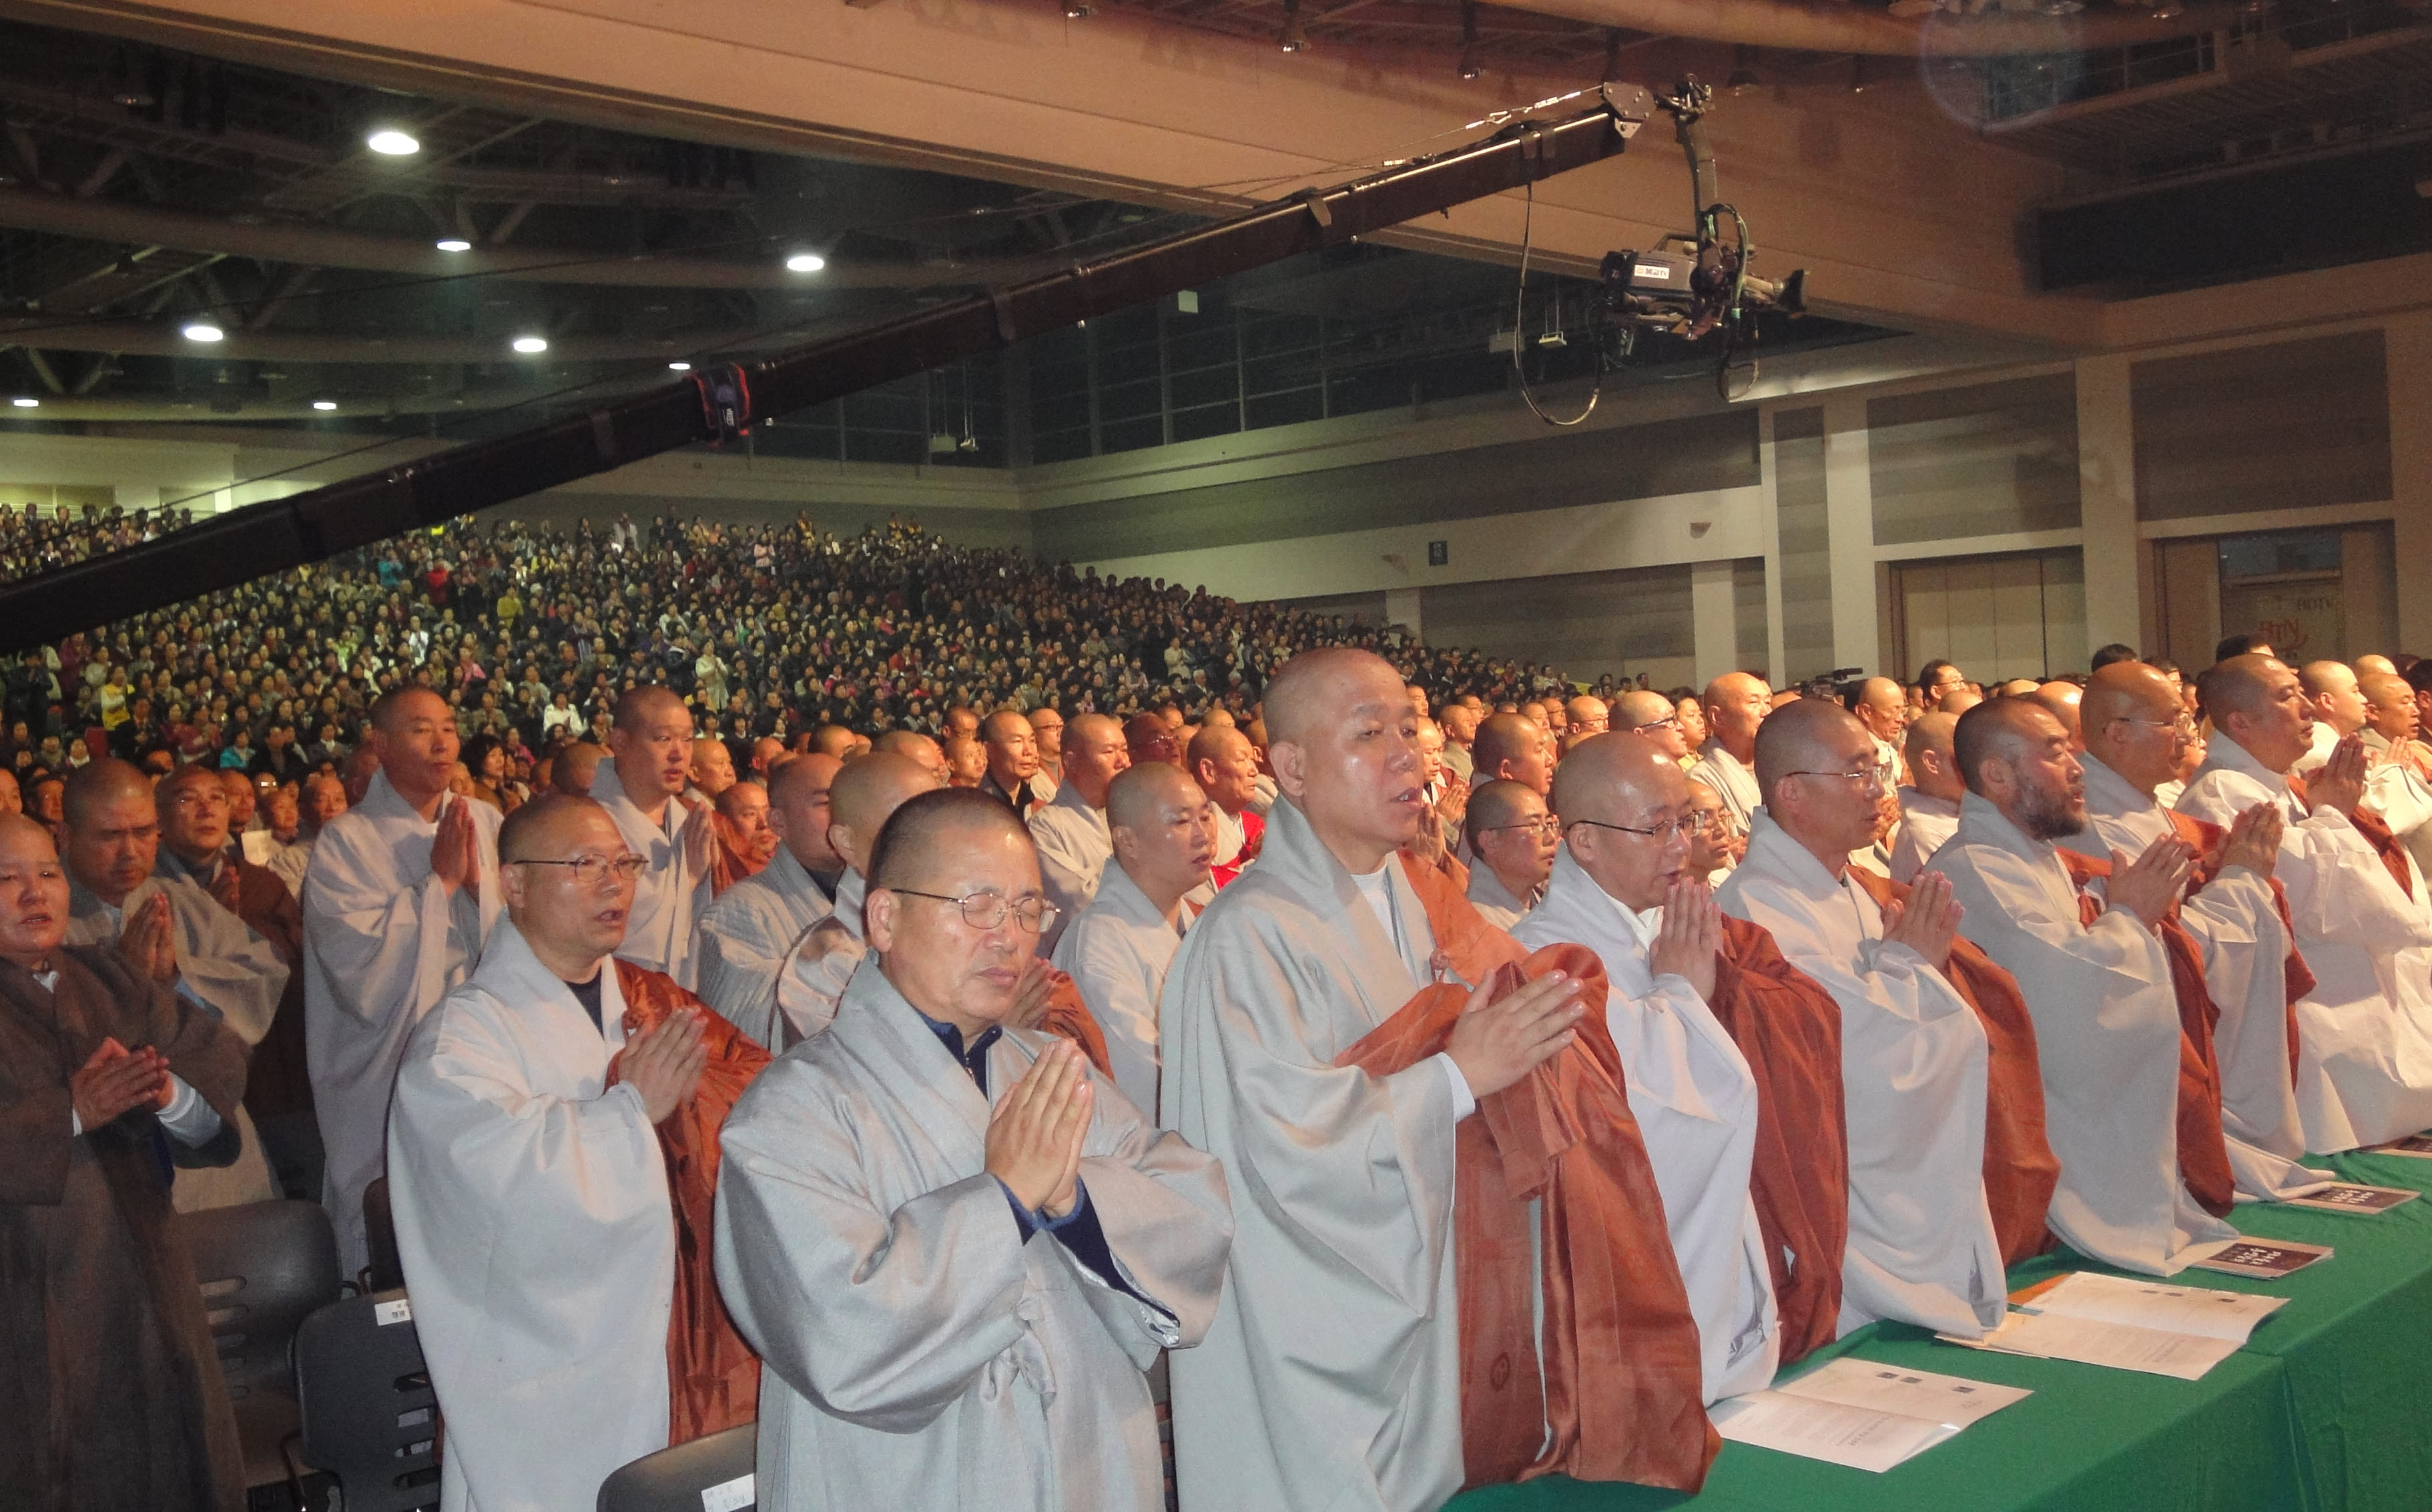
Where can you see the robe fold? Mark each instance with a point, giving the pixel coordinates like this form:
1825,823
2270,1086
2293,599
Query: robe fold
812,980
1696,1101
1915,1076
1607,1387
383,942
537,1227
732,860
1238,838
745,938
1117,954
110,1394
235,975
918,1353
671,897
1487,894
2021,1170
1926,824
2107,1043
2364,1066
2230,943
1075,849
712,1376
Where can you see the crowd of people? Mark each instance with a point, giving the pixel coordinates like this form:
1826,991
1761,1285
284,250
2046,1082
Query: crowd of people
924,1003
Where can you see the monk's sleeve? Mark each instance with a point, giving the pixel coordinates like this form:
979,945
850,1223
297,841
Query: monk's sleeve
383,952
36,1110
882,1316
1168,1221
2337,887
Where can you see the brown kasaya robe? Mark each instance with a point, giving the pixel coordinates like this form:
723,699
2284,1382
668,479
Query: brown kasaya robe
2297,978
2021,1170
712,1376
1621,1369
278,1080
111,1395
1789,1028
2204,1151
731,860
1068,1017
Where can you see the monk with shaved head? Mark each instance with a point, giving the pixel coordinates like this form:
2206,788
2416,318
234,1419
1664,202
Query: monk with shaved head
1652,717
1930,802
2356,899
927,1159
811,974
711,771
2086,945
1309,1044
746,934
1512,747
642,785
1225,765
1515,836
1734,704
921,748
1070,828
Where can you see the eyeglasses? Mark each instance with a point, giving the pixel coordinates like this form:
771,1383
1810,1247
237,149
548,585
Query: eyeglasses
1880,776
1687,827
1673,720
1543,827
985,910
2183,723
588,870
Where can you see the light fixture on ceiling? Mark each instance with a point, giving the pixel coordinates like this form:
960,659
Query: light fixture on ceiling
454,244
1857,72
1079,10
530,346
325,404
1743,76
1294,38
203,330
391,143
24,403
1469,65
678,367
805,263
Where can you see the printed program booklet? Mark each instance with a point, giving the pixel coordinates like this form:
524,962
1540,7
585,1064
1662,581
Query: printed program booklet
1860,1413
2128,1323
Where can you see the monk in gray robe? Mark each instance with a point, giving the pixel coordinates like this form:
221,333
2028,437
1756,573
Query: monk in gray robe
812,978
746,934
956,1248
110,1395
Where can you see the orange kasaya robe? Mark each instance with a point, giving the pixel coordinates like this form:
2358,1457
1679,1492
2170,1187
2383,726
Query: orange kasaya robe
712,1376
1253,834
732,859
2204,1153
2298,978
1067,1017
1788,1027
1621,1390
2021,1170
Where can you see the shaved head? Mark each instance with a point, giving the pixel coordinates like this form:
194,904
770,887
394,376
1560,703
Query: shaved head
2242,684
1498,803
571,770
549,824
1608,777
1346,751
1513,746
738,800
1609,790
2125,690
109,780
927,829
868,792
1808,736
815,772
651,700
1135,797
915,745
2063,698
2000,729
1306,690
1641,706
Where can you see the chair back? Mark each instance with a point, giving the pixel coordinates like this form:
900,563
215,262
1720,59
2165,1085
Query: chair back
712,1474
385,1272
264,1266
370,1418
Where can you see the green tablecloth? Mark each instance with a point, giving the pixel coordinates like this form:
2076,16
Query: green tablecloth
2319,1413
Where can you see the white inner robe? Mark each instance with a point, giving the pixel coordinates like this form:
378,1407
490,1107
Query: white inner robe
669,897
1926,826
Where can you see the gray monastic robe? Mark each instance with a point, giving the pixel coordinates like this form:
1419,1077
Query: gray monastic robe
1118,953
1074,848
1731,780
1330,1378
746,936
812,980
671,897
1926,826
2106,1038
232,973
918,1353
110,1395
1496,901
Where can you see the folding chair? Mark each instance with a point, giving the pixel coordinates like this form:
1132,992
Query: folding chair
386,1271
369,1416
712,1474
263,1267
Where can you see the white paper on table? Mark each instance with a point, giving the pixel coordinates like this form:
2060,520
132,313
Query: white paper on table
2140,1303
1859,1413
2120,1346
1943,1399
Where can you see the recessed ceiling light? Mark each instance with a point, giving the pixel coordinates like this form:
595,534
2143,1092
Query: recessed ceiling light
325,404
454,244
203,330
805,263
678,367
27,404
529,344
392,144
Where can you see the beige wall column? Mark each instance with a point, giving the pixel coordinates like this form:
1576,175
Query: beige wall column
2410,348
1714,619
1849,510
1402,608
2106,483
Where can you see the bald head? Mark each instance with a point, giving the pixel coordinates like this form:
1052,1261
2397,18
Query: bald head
867,792
814,773
741,802
712,766
1311,688
1621,801
1932,762
1499,804
2390,706
1511,746
1610,777
1808,736
2000,729
2373,664
2242,684
2063,699
649,701
1346,750
2131,721
1881,705
107,781
539,830
1735,704
800,812
915,745
571,770
1136,796
1652,717
835,740
921,836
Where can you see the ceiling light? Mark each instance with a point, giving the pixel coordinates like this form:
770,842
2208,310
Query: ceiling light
678,367
392,144
1079,10
454,244
529,344
203,330
325,404
1294,38
805,263
27,404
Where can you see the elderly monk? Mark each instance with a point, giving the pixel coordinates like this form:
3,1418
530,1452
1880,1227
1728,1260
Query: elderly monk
113,1388
755,925
1929,802
1071,829
1652,718
1225,765
1118,951
121,896
2394,793
2355,898
1881,707
1047,731
2064,700
2402,776
966,759
767,754
642,785
2096,975
812,976
537,1151
1460,722
745,840
2230,923
1513,748
956,1245
1513,837
402,892
1333,1375
1012,762
1715,847
1723,1072
1734,704
1588,714
711,770
576,764
920,747
1914,1060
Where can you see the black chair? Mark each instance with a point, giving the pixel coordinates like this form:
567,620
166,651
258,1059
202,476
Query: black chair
386,1272
712,1474
263,1267
369,1416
